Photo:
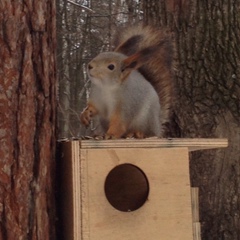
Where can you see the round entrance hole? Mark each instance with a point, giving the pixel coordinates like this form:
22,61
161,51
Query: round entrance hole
126,187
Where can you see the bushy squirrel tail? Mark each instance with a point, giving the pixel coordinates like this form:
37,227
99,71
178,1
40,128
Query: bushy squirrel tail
158,69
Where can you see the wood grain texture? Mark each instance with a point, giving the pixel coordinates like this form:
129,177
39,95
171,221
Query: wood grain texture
168,206
192,144
207,100
28,118
171,210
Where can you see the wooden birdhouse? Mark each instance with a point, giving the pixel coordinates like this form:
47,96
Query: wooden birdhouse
130,189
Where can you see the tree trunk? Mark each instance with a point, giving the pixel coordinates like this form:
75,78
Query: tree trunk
207,93
27,125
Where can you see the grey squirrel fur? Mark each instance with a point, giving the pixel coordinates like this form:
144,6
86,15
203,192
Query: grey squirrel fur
131,87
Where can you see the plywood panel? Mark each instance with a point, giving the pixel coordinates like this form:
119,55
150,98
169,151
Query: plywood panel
166,214
193,144
67,190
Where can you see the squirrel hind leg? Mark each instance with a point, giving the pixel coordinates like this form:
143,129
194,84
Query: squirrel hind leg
115,133
155,127
117,128
135,134
139,135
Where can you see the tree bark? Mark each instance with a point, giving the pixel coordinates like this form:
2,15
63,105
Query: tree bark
27,125
208,96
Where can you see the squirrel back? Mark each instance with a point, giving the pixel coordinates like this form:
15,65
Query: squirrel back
132,87
158,70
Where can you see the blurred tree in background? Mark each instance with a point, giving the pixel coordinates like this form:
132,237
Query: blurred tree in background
85,28
207,101
207,85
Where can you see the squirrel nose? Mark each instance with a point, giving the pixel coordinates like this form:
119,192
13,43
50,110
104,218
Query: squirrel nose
90,66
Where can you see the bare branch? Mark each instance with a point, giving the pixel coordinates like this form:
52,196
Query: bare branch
81,6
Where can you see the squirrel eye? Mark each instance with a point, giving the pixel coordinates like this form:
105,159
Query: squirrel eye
111,66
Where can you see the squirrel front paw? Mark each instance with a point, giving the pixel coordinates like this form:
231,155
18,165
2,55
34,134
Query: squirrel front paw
85,117
87,114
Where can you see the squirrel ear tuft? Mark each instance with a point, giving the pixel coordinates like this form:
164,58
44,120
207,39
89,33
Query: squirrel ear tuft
138,59
135,61
129,63
130,46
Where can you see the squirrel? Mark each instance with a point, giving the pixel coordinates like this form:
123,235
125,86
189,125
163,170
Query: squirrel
132,87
